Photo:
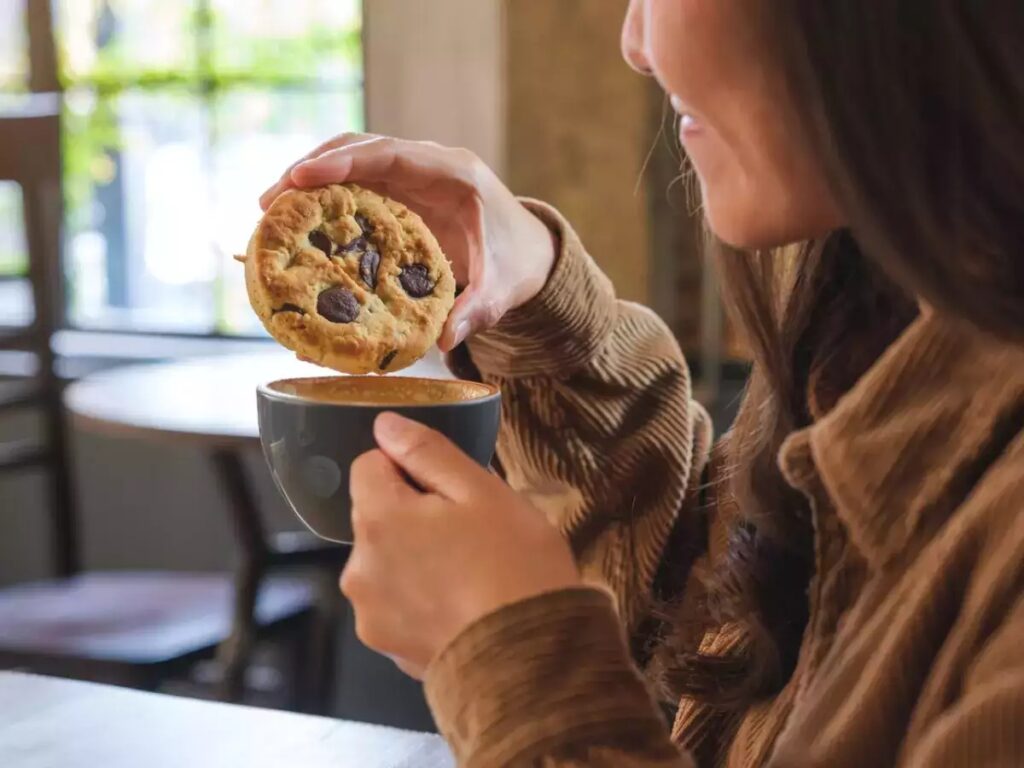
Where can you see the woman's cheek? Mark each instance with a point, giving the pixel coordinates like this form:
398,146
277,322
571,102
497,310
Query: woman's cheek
688,48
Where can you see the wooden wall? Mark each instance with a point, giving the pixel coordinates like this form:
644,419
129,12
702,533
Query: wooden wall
539,89
435,69
577,128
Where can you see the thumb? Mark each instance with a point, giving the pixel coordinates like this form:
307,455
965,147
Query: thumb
474,311
428,457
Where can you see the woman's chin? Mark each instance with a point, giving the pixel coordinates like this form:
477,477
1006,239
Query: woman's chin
753,227
738,229
751,213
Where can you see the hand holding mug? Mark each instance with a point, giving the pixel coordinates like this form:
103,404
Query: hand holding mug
428,563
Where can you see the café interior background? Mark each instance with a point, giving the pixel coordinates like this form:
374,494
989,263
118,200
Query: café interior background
175,114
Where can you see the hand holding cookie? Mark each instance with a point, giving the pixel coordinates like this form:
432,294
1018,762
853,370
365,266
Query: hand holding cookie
500,253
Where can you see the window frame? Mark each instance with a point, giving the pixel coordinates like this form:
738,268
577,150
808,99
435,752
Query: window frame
206,82
471,113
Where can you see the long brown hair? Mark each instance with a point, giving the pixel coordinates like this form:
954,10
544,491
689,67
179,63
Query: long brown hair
916,113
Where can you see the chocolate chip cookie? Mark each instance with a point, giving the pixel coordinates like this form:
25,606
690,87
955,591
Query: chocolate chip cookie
349,279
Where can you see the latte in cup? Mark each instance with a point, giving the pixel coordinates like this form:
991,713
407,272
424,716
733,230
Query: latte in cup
381,391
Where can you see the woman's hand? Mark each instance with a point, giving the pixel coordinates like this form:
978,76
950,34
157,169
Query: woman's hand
428,563
500,252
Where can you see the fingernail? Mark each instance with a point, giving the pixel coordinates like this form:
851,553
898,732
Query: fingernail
461,332
392,428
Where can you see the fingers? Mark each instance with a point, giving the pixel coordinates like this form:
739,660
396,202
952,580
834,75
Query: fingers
285,179
378,495
430,459
379,499
284,182
375,481
377,625
409,164
473,312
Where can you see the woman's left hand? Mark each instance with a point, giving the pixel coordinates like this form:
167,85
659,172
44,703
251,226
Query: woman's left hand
428,563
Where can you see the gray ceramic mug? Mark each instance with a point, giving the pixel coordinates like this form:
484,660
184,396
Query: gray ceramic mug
313,429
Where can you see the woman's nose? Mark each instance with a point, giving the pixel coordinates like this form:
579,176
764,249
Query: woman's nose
633,38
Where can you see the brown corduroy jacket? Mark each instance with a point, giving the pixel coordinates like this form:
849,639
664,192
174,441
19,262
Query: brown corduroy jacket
914,651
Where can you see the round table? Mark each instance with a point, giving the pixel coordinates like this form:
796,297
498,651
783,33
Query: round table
210,403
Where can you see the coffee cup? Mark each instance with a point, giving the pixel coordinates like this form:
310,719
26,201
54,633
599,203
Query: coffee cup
312,430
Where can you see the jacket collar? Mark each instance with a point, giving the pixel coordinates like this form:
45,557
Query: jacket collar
902,449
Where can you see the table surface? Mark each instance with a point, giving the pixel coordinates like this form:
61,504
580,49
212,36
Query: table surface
202,400
51,723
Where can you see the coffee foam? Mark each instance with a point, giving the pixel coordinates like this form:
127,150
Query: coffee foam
393,391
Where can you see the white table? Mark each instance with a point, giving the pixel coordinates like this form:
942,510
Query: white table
51,723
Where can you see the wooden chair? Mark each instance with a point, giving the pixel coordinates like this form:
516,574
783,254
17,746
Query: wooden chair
30,156
135,629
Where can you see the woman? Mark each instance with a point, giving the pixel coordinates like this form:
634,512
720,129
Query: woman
840,582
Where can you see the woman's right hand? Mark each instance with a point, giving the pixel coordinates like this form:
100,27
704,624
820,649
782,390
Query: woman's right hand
500,252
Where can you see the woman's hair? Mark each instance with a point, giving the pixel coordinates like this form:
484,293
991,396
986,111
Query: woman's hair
916,114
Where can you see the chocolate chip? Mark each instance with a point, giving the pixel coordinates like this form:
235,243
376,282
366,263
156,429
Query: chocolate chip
359,244
320,240
415,279
364,224
368,266
388,359
337,304
290,308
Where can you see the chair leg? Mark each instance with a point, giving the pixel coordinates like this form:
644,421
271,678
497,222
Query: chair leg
300,646
146,679
234,653
321,667
313,649
65,535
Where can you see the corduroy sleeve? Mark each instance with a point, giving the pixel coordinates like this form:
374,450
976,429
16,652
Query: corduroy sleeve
598,423
548,681
600,430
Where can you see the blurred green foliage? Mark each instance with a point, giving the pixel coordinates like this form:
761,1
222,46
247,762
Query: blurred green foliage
13,259
218,66
223,61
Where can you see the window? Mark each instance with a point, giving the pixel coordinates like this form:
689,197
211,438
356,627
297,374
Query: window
16,307
177,113
15,295
13,47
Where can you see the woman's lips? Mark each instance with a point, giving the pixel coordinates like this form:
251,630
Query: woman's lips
689,125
